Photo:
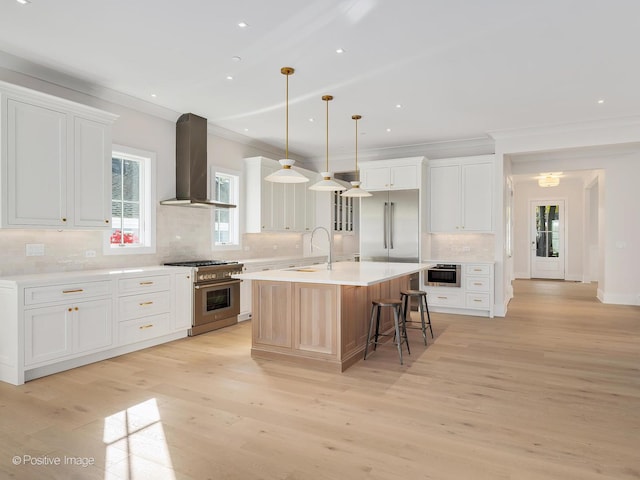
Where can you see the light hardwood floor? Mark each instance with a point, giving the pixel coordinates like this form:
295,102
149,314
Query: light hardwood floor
552,391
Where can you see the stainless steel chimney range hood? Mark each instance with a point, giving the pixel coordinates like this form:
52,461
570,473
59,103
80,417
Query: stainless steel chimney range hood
191,164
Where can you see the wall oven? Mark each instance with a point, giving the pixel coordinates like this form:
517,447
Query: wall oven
216,296
443,275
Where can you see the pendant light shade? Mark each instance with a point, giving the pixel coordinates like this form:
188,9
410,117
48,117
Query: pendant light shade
327,184
286,174
355,190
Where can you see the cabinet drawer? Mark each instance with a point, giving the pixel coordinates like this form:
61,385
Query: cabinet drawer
478,301
445,299
140,329
477,284
66,292
150,283
144,305
477,269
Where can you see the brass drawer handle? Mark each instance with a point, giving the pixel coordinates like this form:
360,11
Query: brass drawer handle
443,298
146,283
477,300
144,327
477,283
143,304
77,290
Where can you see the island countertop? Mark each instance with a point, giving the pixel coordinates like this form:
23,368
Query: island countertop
342,273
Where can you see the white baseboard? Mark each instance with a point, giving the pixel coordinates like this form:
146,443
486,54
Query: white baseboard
619,298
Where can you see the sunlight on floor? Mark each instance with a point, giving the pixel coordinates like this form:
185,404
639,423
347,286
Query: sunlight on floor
136,446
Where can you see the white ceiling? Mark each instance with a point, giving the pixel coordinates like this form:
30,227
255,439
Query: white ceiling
459,68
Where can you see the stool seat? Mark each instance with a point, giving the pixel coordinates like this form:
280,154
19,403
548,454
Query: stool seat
400,331
422,307
387,302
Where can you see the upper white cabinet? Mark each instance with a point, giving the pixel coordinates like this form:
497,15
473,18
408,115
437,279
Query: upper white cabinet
397,174
56,167
277,207
461,194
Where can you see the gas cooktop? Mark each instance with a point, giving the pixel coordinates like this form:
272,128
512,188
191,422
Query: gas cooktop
201,263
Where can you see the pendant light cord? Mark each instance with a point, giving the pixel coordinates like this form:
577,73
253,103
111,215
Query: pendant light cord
327,99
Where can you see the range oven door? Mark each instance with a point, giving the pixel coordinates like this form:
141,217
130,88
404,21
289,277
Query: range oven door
215,305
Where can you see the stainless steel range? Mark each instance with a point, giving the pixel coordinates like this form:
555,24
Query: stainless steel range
216,296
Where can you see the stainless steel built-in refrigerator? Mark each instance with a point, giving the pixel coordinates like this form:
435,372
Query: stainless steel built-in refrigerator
389,226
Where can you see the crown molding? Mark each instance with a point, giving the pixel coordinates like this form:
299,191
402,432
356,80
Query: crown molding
606,123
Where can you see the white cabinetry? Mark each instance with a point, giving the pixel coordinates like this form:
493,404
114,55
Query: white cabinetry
474,296
277,207
62,321
461,195
53,322
56,168
144,308
397,174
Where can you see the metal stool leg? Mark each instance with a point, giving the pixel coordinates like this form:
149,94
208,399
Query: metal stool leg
396,321
424,328
426,306
366,347
404,333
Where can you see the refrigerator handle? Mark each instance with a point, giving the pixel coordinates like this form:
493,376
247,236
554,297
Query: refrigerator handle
385,223
391,223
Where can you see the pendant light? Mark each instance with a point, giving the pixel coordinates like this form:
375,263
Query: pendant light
327,184
355,190
286,174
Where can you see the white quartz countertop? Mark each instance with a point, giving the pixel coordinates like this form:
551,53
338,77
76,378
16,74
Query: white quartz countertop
342,273
87,275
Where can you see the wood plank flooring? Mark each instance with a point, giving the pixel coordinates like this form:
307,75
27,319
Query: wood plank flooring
552,391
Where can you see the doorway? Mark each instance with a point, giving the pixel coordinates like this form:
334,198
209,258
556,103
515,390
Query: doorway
547,239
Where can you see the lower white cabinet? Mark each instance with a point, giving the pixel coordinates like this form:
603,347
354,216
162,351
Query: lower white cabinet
60,331
52,322
474,296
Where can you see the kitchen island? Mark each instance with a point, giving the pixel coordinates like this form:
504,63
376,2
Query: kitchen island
315,316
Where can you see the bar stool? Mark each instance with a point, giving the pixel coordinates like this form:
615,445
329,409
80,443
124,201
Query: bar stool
400,332
405,295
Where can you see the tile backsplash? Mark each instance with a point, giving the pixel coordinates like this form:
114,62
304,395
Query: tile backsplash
182,234
462,247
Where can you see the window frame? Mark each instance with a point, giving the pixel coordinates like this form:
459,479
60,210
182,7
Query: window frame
147,243
236,195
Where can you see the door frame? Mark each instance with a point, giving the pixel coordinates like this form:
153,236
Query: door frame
563,203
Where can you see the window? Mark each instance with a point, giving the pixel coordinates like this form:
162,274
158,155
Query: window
132,210
226,221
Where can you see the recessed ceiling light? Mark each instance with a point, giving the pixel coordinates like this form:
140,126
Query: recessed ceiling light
236,58
601,101
246,129
243,24
153,95
23,2
388,129
229,77
311,120
398,105
339,50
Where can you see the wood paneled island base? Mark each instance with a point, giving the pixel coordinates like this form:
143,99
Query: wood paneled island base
316,324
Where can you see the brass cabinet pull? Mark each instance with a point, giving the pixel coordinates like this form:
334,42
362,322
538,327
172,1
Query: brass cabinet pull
477,269
144,327
146,283
142,304
76,309
77,290
70,309
443,298
106,221
477,283
477,300
64,219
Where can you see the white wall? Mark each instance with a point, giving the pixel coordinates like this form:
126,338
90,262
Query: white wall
571,191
